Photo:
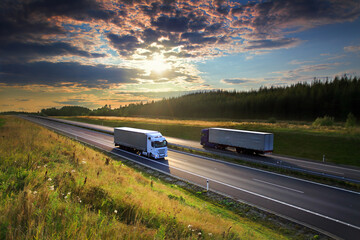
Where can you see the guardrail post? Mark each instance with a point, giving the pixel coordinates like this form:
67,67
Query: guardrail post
324,158
207,184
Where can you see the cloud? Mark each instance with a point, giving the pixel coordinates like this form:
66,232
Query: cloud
84,10
125,44
234,81
273,44
198,38
72,74
171,24
299,74
269,16
352,48
19,51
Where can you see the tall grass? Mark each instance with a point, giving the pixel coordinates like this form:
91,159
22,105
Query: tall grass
55,188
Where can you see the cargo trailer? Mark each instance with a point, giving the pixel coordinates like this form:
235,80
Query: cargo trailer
242,140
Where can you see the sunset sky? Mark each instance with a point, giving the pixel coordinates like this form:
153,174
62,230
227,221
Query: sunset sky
95,52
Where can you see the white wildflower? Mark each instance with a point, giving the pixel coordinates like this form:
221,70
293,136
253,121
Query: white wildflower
115,211
73,171
210,234
52,188
199,233
189,226
68,193
34,192
66,197
49,179
83,162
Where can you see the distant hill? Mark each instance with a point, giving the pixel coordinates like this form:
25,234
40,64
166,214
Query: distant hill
302,101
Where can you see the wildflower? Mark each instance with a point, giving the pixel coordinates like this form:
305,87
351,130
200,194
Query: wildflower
49,179
199,233
83,162
210,234
34,192
68,193
189,226
66,197
52,188
115,211
73,171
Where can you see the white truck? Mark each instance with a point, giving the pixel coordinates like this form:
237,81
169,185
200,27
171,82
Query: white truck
243,141
146,142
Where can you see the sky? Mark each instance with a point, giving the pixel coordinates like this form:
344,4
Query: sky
90,53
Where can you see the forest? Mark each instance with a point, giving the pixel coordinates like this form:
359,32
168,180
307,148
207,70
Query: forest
301,101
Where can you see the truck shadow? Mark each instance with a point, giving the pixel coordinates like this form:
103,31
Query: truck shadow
160,164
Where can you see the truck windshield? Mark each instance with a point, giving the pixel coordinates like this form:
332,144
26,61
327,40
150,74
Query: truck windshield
160,144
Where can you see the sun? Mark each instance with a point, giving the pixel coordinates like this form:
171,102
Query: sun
157,64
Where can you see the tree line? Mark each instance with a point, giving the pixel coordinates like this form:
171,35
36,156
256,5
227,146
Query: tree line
301,101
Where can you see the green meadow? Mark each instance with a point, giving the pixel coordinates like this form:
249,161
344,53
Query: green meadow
339,144
53,187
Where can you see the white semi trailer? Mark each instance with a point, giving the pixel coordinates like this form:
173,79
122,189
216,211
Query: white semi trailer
149,143
241,140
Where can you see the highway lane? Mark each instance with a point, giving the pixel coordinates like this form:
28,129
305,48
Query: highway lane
330,209
311,167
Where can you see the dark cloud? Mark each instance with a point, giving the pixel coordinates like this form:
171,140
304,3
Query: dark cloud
18,21
125,44
54,74
18,51
268,17
272,44
235,81
171,24
213,28
150,35
198,38
84,10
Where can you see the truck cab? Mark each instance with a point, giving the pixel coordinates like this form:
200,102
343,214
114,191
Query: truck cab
204,140
157,146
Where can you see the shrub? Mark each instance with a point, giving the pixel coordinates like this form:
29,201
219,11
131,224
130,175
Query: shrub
323,121
350,121
271,120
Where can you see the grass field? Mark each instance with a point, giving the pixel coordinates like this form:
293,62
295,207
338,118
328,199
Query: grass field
339,144
55,188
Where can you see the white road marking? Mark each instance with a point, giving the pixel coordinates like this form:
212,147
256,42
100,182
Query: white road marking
321,169
264,171
279,186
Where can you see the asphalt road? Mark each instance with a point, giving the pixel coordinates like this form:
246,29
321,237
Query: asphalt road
310,167
331,210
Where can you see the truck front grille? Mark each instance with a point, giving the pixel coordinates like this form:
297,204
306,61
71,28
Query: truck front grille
161,151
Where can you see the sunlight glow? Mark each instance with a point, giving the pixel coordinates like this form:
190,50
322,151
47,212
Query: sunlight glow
157,64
